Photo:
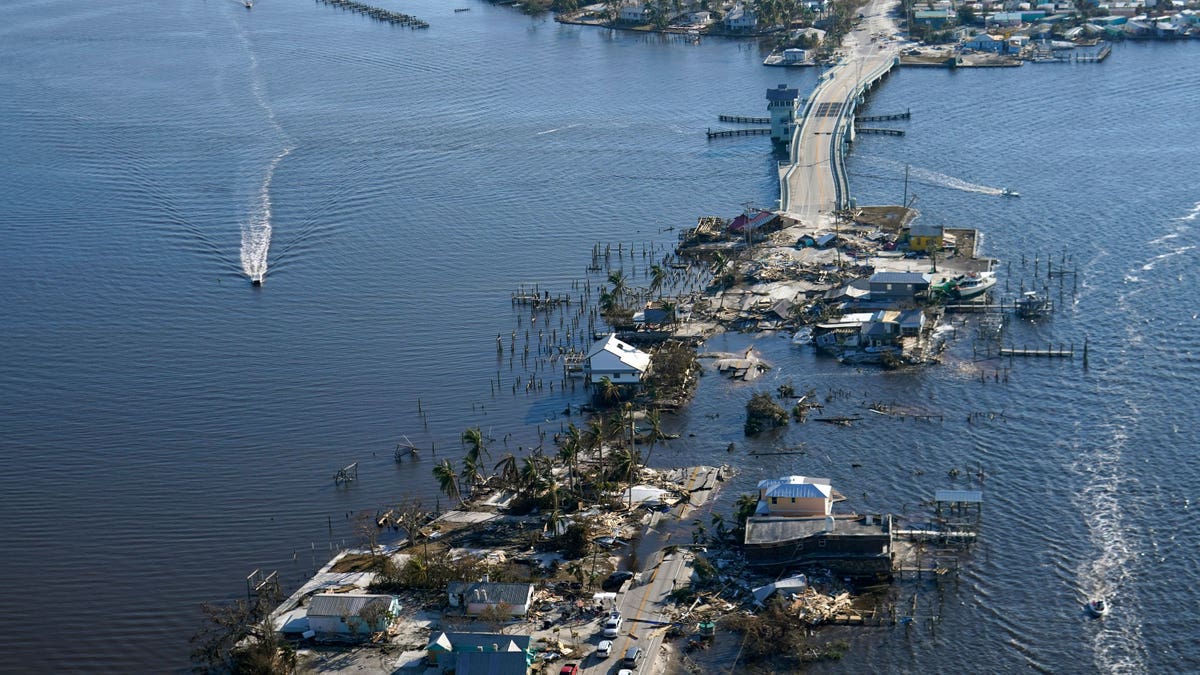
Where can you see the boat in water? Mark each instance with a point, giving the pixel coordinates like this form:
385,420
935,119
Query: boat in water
804,336
967,286
1033,305
248,3
1006,192
1097,607
256,280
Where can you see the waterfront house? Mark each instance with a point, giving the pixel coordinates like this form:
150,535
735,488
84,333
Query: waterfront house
477,597
619,361
793,525
480,653
794,496
351,614
741,19
911,322
635,13
987,43
655,314
898,286
752,221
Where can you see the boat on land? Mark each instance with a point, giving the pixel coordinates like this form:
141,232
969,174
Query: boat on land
1006,192
967,286
1097,607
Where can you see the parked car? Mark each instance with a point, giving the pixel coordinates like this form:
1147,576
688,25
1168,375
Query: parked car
633,656
604,650
569,669
614,580
612,625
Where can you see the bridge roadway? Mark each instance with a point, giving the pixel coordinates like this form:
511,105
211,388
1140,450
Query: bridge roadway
812,184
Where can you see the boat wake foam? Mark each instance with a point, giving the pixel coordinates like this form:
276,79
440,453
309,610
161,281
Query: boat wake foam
256,229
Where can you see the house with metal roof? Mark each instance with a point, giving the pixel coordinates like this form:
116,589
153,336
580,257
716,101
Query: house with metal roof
480,653
619,361
351,614
477,597
898,286
794,496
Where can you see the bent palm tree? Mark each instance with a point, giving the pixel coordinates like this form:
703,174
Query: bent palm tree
447,480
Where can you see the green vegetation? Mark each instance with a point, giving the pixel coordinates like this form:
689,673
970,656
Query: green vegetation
763,413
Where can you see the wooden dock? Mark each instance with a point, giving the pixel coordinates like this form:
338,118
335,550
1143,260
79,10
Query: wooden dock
1050,352
741,119
884,118
880,131
377,13
725,133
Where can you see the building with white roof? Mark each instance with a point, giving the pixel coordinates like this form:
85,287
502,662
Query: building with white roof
795,496
619,361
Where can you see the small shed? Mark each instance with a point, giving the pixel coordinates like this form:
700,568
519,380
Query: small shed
925,237
347,613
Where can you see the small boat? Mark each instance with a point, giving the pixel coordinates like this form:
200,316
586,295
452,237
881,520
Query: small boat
256,280
462,9
1033,305
1097,607
803,336
248,3
1006,192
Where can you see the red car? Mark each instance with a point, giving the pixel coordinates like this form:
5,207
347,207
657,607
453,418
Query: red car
569,669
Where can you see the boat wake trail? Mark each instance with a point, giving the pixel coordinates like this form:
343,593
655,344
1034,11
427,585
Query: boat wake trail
933,178
1118,645
1193,214
256,229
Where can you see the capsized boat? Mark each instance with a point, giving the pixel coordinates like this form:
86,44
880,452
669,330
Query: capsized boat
1097,607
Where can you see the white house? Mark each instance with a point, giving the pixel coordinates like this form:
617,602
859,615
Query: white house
799,496
987,43
479,596
741,17
346,613
632,13
619,361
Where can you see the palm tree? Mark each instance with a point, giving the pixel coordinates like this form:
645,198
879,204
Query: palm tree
533,474
619,284
609,391
657,276
470,472
654,419
447,479
720,264
626,465
473,437
508,472
568,451
668,308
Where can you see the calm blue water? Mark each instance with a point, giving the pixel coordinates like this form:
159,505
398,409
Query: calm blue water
168,429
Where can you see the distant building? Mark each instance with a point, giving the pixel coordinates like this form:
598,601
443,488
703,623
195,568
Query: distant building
987,43
898,286
934,18
633,13
480,653
741,18
619,361
477,597
347,613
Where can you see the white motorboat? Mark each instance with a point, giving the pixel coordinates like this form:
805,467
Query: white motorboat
1097,607
1006,192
